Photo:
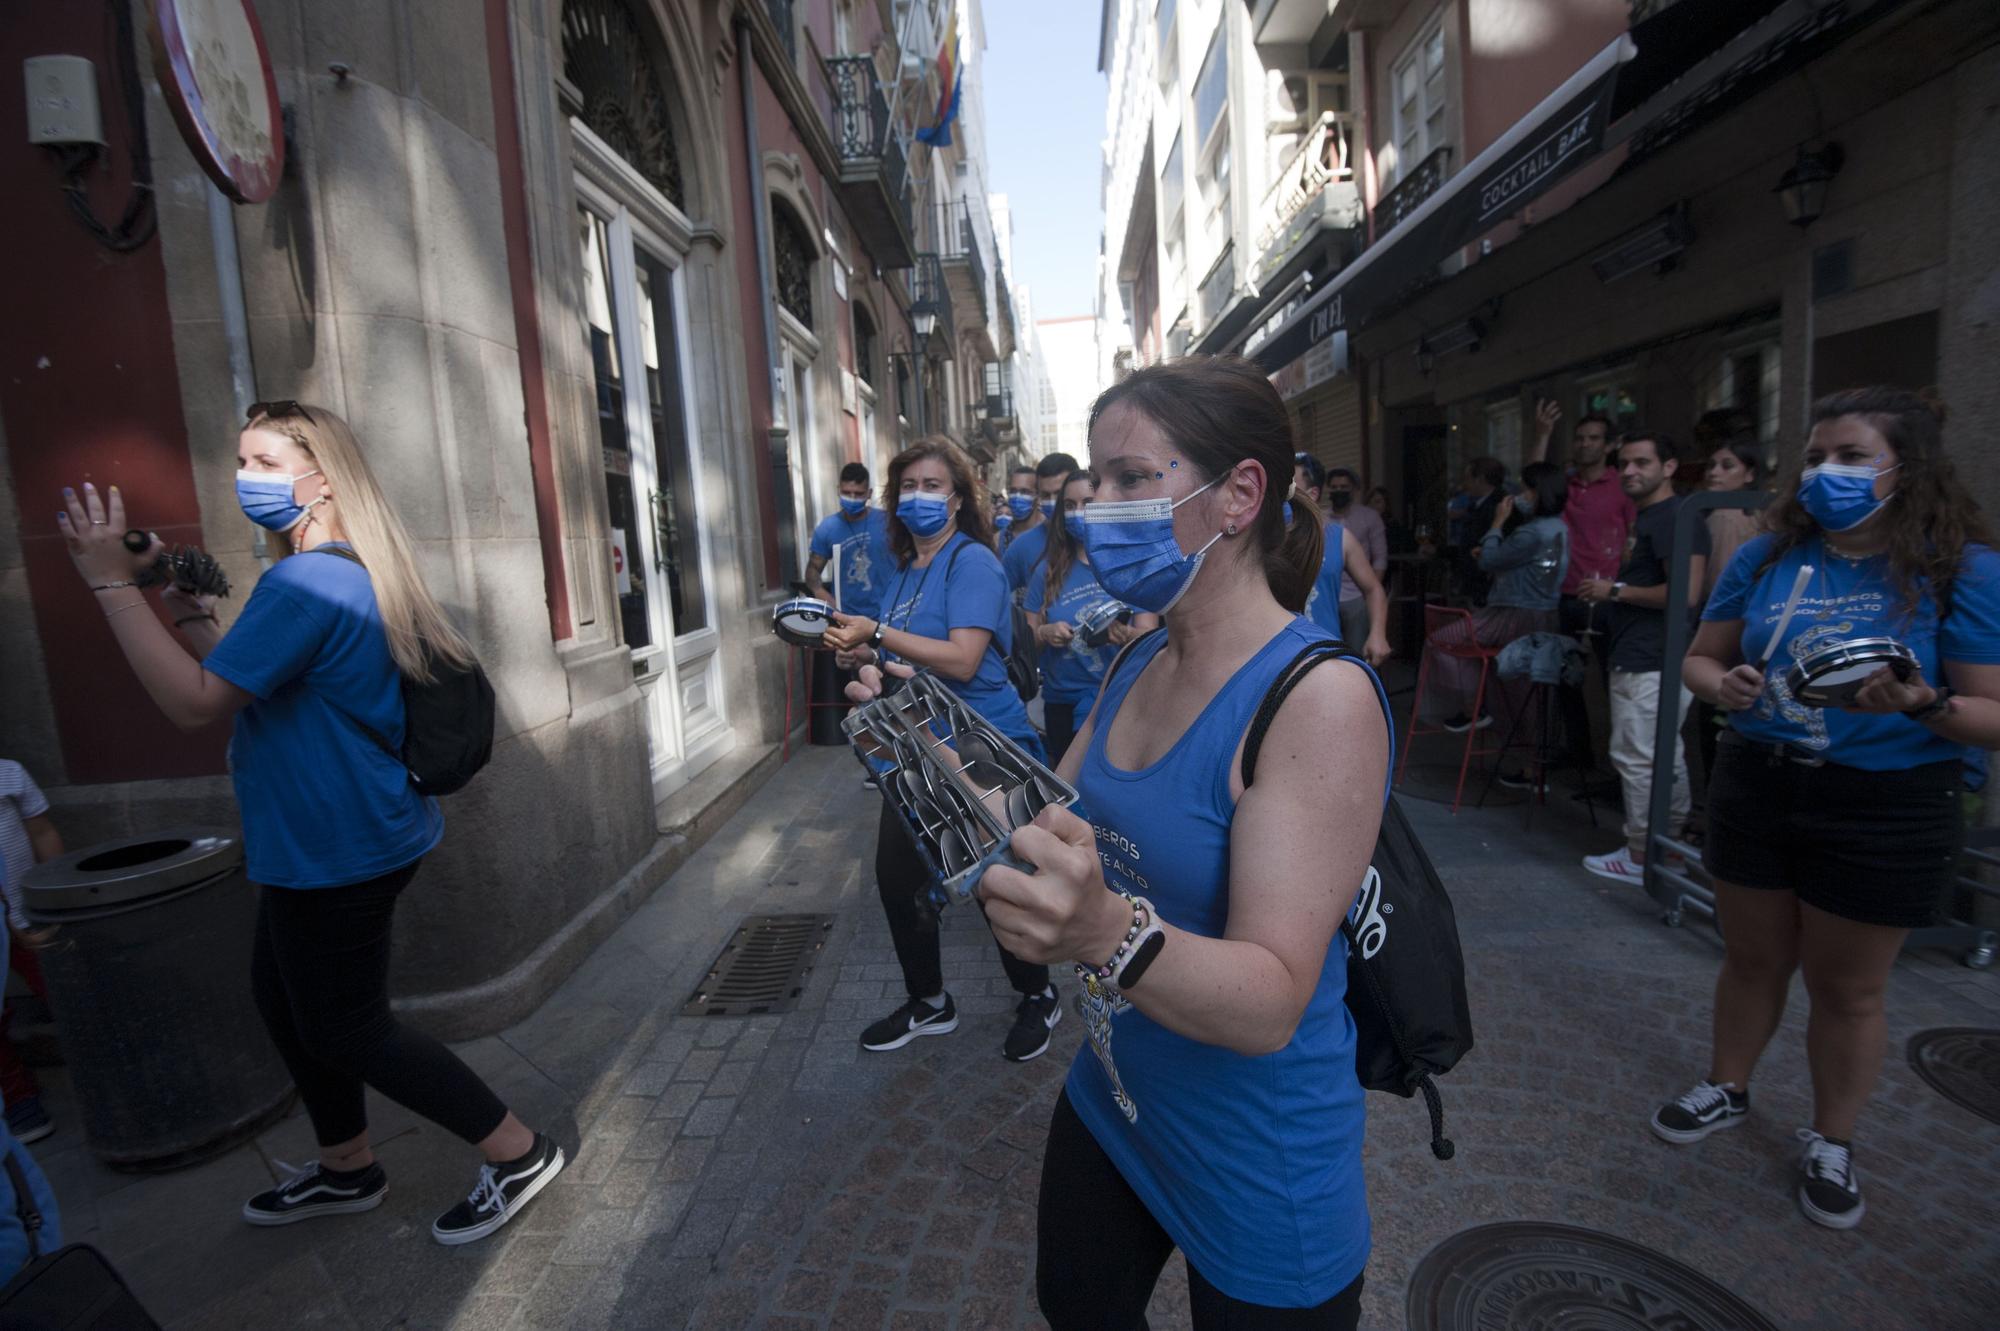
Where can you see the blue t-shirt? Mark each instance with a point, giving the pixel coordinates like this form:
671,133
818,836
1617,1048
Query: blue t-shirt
1852,599
1323,603
964,588
865,560
323,804
1023,553
1252,1165
1070,674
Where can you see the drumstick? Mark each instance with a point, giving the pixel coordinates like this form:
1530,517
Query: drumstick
836,577
1785,619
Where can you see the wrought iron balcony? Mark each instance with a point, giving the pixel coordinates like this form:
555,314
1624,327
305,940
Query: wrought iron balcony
1314,191
1004,296
874,176
1418,183
958,246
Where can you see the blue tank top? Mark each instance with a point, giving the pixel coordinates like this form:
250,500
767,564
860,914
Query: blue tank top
1323,602
1252,1165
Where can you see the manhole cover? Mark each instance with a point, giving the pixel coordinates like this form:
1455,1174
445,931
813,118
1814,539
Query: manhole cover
1530,1276
1962,1063
762,968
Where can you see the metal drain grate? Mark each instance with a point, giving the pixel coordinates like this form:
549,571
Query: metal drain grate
1531,1276
1962,1063
762,968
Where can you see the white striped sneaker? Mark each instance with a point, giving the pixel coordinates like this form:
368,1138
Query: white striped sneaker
312,1191
501,1192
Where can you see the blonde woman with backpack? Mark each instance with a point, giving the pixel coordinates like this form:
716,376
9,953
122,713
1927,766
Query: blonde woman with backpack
333,828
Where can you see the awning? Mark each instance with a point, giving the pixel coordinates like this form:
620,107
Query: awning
1560,134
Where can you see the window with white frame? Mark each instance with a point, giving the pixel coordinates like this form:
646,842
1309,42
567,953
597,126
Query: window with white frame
1420,96
1213,178
1211,86
1171,186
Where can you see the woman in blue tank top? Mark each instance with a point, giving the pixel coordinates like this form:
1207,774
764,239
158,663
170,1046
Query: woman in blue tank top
948,610
1216,1108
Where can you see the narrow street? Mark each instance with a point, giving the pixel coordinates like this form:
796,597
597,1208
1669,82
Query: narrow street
764,1172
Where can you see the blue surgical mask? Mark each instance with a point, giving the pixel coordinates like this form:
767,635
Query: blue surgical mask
269,499
1524,503
924,514
1134,553
1020,506
853,508
1841,497
1048,508
1002,521
1073,523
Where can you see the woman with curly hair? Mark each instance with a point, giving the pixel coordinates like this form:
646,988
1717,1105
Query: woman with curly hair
1833,832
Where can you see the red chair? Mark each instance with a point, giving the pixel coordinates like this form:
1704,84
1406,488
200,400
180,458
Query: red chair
1454,627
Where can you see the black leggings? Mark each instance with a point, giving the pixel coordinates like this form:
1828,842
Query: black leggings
1099,1252
1058,728
320,973
904,881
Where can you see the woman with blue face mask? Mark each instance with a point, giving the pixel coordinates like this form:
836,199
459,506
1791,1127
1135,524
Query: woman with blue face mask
1215,1107
1833,832
1063,588
948,611
333,829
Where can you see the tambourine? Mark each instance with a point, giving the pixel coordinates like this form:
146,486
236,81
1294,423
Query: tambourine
802,621
1094,624
1832,675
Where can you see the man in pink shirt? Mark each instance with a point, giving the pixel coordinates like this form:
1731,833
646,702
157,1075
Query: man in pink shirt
1599,517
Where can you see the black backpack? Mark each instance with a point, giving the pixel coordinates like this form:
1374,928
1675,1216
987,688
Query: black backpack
447,723
1412,1019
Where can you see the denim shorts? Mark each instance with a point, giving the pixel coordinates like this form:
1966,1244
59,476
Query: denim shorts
1873,847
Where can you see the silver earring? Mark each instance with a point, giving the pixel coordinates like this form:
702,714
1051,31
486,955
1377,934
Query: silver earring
1232,529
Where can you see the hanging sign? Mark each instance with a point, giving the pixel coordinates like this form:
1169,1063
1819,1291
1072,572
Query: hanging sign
215,73
621,571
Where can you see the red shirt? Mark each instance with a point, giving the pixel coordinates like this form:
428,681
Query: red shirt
1599,516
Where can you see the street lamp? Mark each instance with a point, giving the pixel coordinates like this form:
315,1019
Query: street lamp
923,322
1802,189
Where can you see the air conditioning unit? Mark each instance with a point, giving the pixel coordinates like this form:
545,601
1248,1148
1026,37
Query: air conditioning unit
1295,100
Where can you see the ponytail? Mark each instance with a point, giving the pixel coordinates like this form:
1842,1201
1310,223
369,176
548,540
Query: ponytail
1292,566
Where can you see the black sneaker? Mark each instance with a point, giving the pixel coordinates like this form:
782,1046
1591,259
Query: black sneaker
1829,1189
1033,1020
1461,723
1705,1109
317,1190
907,1022
501,1192
28,1121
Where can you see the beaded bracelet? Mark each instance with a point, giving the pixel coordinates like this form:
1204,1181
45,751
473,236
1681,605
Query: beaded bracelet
110,586
1141,917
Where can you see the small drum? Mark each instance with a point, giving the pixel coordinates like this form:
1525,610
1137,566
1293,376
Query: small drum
1093,626
802,620
1833,674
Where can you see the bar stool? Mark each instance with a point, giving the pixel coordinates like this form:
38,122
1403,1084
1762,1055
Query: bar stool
1437,620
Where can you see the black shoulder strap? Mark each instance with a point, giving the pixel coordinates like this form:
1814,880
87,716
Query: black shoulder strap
24,1206
1281,688
1123,652
340,550
381,741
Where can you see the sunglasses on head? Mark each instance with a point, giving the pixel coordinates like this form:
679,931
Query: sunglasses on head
278,410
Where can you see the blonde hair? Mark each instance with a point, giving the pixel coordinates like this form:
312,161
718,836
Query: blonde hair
419,632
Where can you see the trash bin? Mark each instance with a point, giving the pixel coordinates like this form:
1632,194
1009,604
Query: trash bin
149,976
829,700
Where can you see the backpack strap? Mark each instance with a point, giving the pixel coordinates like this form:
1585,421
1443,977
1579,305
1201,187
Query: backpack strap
1281,688
381,741
24,1206
340,550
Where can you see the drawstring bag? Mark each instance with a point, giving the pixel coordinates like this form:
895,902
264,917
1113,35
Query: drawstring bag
1405,970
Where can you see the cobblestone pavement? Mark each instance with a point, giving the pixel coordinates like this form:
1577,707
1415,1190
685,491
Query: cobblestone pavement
764,1172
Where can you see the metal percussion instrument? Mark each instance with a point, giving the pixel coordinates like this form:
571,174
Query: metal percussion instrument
1830,676
960,785
1094,624
802,620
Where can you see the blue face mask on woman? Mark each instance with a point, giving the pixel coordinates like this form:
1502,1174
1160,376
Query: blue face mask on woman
853,508
1048,508
924,514
269,499
1073,524
1020,506
1841,497
1134,553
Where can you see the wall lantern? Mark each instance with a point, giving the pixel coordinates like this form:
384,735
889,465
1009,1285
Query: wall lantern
923,321
1802,189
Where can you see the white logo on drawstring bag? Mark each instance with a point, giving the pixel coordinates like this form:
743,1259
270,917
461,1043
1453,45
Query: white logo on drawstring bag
1369,915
